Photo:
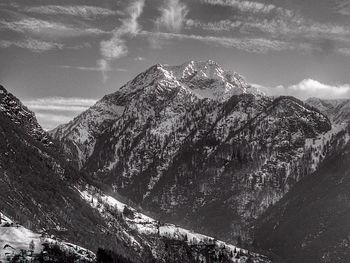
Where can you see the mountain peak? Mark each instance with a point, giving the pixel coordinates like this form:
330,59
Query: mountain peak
3,90
12,108
204,79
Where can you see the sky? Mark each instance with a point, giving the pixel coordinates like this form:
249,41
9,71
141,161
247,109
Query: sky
60,56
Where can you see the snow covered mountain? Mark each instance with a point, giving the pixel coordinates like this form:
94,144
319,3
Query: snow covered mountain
40,189
150,92
194,143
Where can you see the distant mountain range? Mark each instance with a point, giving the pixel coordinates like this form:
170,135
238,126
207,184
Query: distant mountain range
193,145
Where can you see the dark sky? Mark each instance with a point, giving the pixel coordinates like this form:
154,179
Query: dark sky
59,56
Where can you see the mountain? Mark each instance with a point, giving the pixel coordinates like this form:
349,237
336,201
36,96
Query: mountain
38,182
14,110
311,222
151,91
337,110
55,209
197,144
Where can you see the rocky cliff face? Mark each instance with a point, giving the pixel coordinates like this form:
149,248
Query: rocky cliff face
21,115
195,144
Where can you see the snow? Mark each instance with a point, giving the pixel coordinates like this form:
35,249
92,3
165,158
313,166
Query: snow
320,143
19,237
146,225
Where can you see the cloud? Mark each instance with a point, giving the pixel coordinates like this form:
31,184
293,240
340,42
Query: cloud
344,51
116,47
342,7
173,16
97,69
48,29
139,59
251,45
310,88
60,103
222,25
286,27
31,44
84,11
320,38
243,6
53,111
49,121
102,66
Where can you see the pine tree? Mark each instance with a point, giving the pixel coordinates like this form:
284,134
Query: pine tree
31,245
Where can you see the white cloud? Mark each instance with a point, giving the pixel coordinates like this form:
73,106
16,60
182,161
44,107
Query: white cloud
243,6
251,45
116,47
286,27
343,7
173,16
344,51
31,44
139,58
48,29
84,11
53,111
98,68
310,88
60,103
222,25
50,121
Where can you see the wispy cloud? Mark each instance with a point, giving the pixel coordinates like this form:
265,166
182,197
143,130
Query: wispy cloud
139,58
48,29
251,45
322,38
173,15
344,51
287,27
31,44
310,88
116,47
243,6
60,103
97,69
53,111
342,7
84,11
217,26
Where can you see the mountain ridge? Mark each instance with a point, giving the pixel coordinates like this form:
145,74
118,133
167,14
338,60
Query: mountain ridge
170,149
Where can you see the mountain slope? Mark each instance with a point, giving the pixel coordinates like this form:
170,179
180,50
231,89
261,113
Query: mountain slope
38,184
311,223
195,142
337,110
41,189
